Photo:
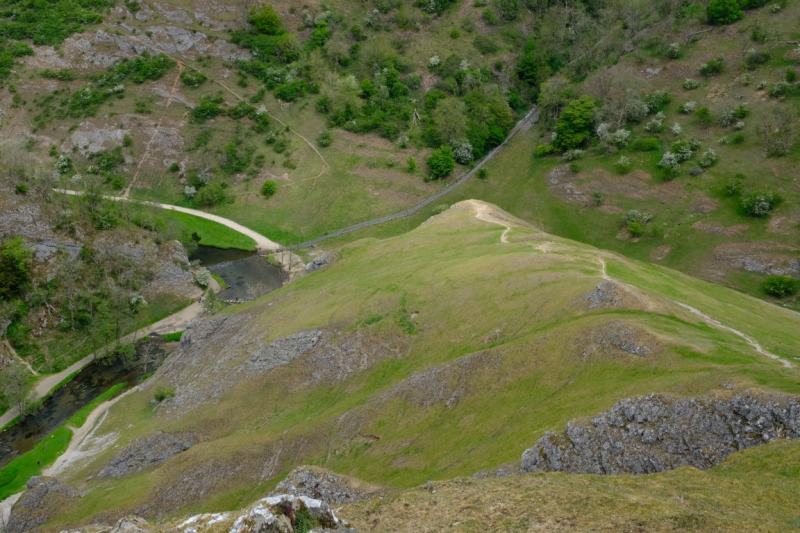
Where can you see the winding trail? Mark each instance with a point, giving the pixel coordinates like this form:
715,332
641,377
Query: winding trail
486,213
146,155
263,244
184,63
45,386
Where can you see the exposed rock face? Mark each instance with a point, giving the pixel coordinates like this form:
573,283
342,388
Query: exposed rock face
101,49
317,483
129,524
760,257
655,433
44,497
606,294
618,336
220,352
319,262
147,452
282,513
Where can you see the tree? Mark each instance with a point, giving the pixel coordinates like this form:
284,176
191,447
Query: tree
531,68
441,162
14,385
15,262
265,20
723,12
449,119
781,286
575,124
269,188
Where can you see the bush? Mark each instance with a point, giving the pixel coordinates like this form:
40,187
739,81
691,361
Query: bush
623,165
325,139
15,266
193,78
759,204
704,116
781,286
575,124
207,108
441,162
712,67
411,165
269,188
215,193
163,393
723,12
646,144
543,150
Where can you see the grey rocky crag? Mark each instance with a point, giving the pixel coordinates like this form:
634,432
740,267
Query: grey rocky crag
322,485
42,499
655,433
147,452
281,513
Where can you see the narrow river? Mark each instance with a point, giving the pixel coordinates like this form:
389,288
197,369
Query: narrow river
247,276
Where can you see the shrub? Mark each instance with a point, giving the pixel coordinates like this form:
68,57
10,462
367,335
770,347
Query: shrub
712,67
704,116
645,144
781,286
670,162
753,58
411,165
657,101
266,21
635,222
689,84
708,159
462,152
543,150
623,165
325,139
441,162
269,188
575,124
759,204
483,173
163,394
723,12
207,108
688,107
214,193
193,78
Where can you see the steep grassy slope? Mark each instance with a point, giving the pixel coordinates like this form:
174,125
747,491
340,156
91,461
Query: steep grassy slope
444,351
755,490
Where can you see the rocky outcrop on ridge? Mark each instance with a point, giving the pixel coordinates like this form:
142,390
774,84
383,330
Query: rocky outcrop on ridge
44,497
147,452
655,433
322,485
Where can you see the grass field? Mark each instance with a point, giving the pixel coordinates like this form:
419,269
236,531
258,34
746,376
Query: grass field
209,232
488,368
19,470
79,418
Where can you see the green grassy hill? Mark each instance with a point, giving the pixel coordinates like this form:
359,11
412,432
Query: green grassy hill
445,351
